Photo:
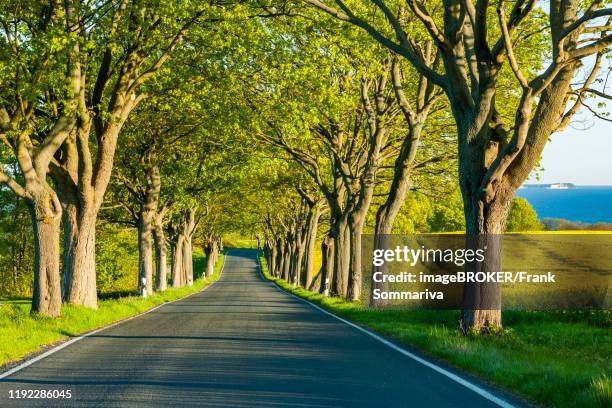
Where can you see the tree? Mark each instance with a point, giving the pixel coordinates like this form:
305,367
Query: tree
447,216
38,111
127,46
522,217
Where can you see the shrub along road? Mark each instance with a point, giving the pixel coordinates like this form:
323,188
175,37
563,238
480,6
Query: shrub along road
240,343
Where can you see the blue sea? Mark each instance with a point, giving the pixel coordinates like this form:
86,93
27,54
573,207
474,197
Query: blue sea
587,204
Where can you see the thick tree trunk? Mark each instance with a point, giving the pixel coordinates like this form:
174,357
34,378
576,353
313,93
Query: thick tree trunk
177,261
79,260
161,257
286,261
80,213
187,261
381,241
188,231
342,256
356,222
311,239
385,218
147,215
145,250
292,259
211,255
356,228
327,266
280,260
481,309
45,212
299,257
272,257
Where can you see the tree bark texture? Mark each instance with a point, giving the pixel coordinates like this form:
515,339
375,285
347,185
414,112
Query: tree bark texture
161,257
311,239
45,211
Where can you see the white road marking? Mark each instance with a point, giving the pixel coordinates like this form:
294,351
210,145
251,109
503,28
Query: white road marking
477,389
81,337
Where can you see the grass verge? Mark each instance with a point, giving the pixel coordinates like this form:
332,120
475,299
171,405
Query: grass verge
560,359
22,334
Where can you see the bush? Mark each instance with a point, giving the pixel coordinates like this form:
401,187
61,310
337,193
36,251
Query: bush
522,217
448,216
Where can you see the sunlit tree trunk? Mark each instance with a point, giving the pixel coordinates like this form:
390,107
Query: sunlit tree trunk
45,212
311,239
176,248
161,250
342,256
211,250
327,267
146,219
280,257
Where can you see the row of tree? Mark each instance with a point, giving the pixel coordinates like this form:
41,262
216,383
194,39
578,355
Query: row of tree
499,78
309,122
87,86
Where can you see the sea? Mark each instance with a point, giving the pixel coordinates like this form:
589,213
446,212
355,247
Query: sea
588,204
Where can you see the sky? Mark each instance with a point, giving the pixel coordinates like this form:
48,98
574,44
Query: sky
578,156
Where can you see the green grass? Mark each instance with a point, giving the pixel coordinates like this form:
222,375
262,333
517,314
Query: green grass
22,334
560,359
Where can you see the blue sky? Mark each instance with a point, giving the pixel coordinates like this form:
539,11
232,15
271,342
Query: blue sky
579,156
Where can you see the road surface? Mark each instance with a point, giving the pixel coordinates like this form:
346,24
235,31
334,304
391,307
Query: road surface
240,343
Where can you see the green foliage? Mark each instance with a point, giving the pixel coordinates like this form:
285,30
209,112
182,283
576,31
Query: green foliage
447,216
116,259
16,246
522,217
413,217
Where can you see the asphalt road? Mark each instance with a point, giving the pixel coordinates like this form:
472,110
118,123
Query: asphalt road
240,343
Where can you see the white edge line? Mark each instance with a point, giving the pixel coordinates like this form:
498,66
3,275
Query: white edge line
82,336
478,390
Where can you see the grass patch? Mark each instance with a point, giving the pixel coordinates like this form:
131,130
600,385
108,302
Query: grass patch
560,359
22,334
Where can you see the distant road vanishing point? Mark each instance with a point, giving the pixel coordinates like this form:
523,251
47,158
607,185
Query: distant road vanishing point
241,343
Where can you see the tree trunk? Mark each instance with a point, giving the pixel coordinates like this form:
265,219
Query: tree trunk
187,261
311,239
177,261
342,255
298,256
272,257
211,251
287,261
327,266
188,231
46,214
161,257
79,221
385,218
146,218
145,250
280,261
79,260
356,228
485,224
381,241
